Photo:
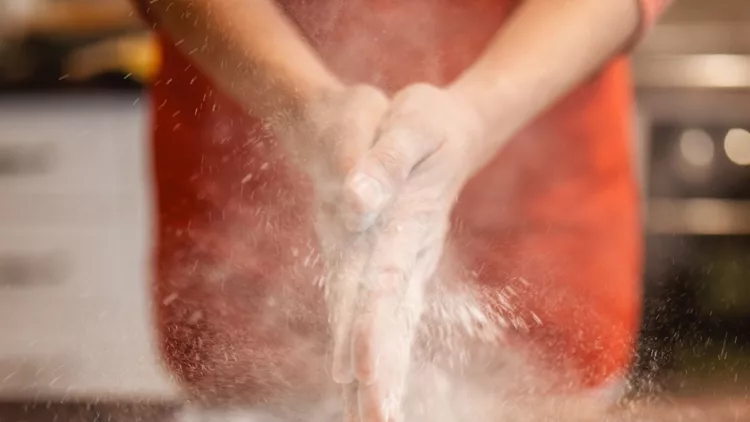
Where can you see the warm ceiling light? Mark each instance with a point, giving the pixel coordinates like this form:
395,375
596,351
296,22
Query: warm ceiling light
737,146
697,147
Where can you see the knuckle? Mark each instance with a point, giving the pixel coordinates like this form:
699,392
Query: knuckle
413,99
399,143
369,97
364,90
418,90
345,164
393,161
413,131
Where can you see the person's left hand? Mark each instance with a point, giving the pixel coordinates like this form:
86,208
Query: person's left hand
430,143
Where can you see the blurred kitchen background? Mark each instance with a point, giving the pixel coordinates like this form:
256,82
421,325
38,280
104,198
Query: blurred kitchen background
693,86
75,213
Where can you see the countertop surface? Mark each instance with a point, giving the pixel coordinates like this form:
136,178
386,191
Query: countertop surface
686,409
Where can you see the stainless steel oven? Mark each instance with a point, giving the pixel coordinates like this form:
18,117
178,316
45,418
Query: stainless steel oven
693,90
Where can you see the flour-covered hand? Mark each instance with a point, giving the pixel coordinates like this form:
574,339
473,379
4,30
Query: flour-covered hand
325,136
430,142
329,132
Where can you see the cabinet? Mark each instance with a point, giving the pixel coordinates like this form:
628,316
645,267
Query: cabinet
75,312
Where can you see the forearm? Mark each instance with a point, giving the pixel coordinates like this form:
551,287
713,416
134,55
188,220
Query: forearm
547,48
248,48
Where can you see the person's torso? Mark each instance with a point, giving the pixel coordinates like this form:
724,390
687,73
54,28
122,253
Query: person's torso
572,151
569,168
558,203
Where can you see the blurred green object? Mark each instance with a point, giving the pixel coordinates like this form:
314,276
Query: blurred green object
727,288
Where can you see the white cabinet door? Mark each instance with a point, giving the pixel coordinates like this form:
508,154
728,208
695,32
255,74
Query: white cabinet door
57,149
75,311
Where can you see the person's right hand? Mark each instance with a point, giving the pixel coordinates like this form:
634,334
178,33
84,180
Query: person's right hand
326,138
328,132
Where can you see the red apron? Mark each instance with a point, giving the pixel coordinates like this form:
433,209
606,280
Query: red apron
557,207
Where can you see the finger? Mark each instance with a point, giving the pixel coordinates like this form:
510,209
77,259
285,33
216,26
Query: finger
388,310
351,402
384,169
344,280
374,407
383,337
384,292
345,258
382,399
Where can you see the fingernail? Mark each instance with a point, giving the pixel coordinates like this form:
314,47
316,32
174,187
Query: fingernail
369,191
342,375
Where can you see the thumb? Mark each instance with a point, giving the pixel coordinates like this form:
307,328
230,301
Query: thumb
381,173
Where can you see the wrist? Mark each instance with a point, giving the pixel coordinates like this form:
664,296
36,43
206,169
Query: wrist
498,104
293,95
481,94
312,90
489,103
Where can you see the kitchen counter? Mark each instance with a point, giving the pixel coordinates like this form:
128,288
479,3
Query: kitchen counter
698,409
